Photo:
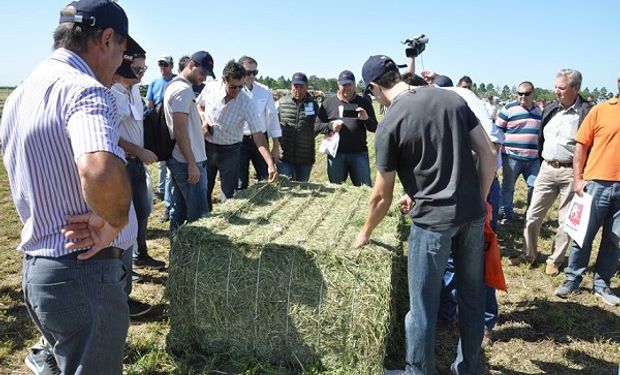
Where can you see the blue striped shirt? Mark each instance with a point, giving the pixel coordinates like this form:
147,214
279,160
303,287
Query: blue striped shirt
57,114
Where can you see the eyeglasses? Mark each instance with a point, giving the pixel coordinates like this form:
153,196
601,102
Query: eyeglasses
163,64
524,93
251,72
139,69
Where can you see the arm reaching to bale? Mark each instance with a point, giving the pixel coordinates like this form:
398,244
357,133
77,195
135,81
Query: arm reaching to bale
378,205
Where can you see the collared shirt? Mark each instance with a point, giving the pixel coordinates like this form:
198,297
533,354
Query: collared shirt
227,119
59,113
560,134
130,113
265,108
522,128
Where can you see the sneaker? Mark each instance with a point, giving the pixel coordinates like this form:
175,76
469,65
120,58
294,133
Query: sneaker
164,217
552,270
568,287
137,308
487,339
42,362
148,262
607,296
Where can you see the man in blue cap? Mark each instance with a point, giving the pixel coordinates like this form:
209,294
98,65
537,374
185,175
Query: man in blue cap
427,136
60,136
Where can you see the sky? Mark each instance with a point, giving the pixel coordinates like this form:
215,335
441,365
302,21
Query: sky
495,42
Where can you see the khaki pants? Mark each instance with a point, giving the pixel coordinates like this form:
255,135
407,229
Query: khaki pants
550,183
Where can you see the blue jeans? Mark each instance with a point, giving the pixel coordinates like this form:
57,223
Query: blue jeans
296,172
353,163
188,200
81,309
140,199
427,260
606,212
511,169
448,303
226,160
249,153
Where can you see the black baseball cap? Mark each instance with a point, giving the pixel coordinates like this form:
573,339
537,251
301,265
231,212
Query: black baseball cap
124,70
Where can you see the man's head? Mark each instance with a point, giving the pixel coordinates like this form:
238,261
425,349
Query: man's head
98,31
233,77
132,69
346,85
299,86
250,65
465,82
166,64
196,69
567,86
380,73
182,62
525,94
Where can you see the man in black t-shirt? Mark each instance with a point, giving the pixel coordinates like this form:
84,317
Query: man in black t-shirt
427,136
350,115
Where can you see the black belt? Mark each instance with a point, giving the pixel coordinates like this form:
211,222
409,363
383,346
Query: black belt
110,252
557,164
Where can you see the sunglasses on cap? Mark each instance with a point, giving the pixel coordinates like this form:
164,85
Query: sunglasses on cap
251,73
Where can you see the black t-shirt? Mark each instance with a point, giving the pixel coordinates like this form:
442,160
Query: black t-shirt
353,132
424,137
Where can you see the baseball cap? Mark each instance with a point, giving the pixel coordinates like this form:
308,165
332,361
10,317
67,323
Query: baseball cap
442,81
166,58
124,70
299,79
102,14
375,67
205,61
346,77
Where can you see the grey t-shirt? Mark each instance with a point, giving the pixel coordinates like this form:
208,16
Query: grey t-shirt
424,137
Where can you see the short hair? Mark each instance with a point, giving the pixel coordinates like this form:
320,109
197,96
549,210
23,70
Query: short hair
413,79
183,61
527,83
573,76
233,70
391,77
247,59
75,37
465,79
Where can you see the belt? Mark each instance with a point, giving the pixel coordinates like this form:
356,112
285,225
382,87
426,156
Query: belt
557,164
110,252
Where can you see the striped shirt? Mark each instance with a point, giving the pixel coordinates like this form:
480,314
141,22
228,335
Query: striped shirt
522,128
227,119
57,114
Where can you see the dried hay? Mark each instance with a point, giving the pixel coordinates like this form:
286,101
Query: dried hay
271,275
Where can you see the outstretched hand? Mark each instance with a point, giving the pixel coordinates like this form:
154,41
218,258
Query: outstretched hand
88,230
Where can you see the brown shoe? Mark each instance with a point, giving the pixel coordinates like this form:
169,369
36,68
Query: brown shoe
552,269
487,340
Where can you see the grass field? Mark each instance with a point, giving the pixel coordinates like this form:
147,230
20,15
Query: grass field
536,333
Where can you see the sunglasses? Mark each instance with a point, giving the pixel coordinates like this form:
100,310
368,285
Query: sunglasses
524,93
139,70
163,64
251,72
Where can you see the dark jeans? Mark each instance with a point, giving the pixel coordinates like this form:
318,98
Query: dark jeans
350,163
140,199
249,153
81,309
226,160
296,172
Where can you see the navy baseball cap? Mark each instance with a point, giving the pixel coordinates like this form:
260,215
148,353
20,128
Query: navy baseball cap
443,81
101,14
346,77
299,79
205,61
375,67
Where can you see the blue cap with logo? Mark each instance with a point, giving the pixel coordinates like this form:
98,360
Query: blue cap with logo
375,67
299,79
346,77
205,61
102,14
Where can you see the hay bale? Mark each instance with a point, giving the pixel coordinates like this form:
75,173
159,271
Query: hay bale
271,275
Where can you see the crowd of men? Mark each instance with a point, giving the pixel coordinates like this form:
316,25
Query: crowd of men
84,200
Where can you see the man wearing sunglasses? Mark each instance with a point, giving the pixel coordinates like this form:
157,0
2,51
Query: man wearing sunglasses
520,121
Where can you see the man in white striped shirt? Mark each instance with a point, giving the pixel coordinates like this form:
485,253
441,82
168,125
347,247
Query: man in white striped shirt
59,136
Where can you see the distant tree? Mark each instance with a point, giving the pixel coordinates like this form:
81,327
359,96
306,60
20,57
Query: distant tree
360,87
585,93
603,94
482,90
596,93
505,95
283,83
513,91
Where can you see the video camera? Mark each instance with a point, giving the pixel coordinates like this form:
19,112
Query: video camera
415,45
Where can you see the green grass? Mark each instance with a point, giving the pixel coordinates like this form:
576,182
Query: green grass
536,333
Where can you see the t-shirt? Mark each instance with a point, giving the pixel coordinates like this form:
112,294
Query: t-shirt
600,130
424,137
155,92
179,97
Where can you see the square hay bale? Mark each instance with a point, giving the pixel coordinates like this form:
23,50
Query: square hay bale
271,276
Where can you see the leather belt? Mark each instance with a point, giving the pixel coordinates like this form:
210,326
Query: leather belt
110,252
557,164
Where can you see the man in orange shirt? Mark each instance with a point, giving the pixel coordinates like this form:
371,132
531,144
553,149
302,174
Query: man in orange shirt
596,171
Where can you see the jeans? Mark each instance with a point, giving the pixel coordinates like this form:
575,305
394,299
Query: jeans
188,200
226,160
161,181
606,212
140,198
128,264
353,163
296,172
448,302
511,169
427,260
249,152
81,309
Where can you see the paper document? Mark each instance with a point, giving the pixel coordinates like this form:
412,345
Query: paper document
576,223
